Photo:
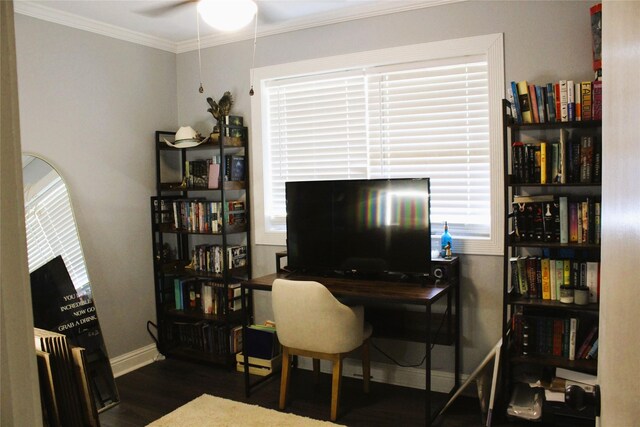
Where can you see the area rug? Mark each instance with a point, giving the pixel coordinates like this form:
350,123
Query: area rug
209,410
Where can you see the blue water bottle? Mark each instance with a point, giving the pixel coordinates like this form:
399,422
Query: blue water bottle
446,243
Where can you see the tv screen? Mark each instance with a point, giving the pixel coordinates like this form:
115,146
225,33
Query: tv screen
359,226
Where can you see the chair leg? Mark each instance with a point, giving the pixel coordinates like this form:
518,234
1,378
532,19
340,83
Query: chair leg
316,370
284,379
366,366
335,386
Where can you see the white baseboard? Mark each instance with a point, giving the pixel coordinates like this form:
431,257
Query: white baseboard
391,374
441,381
135,359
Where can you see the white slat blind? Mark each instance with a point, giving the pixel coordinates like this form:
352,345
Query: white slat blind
432,120
51,231
406,120
316,131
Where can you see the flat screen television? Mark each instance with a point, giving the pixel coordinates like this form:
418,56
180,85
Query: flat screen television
366,227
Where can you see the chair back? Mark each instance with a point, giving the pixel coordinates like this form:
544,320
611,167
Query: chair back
309,317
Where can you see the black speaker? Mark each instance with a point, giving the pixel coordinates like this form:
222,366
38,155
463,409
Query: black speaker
445,269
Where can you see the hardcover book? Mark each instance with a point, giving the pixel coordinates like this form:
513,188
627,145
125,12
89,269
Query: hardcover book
586,100
564,103
596,106
525,102
551,102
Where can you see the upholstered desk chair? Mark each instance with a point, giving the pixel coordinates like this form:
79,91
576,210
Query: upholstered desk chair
311,322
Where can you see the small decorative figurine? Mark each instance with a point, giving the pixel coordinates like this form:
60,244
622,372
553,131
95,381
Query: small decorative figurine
446,243
220,109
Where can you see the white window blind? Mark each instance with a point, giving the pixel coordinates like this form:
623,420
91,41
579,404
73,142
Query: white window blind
432,120
51,231
428,119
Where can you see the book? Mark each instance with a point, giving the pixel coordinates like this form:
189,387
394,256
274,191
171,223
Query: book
534,103
524,101
533,199
563,208
582,352
571,101
550,221
540,100
522,276
213,180
573,325
586,100
586,159
546,280
593,279
556,90
593,353
512,91
562,152
517,161
559,277
578,102
237,168
596,35
258,366
596,106
543,162
551,103
232,120
579,377
554,170
564,112
573,222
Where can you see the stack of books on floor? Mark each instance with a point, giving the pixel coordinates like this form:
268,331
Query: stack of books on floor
263,349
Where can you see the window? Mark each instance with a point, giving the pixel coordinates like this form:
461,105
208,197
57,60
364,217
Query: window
51,231
430,110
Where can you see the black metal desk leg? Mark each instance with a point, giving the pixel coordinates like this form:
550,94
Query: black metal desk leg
427,367
456,289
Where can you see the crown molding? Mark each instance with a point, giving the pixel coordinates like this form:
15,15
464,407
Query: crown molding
45,13
319,20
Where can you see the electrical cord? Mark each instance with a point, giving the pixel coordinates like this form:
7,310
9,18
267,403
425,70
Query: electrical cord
403,365
150,323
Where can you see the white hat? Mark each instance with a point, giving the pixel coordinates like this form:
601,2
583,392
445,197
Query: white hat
185,137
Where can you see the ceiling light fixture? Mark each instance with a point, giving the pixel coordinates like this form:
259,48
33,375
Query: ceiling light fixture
227,15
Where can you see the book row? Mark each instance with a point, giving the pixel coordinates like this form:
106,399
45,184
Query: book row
562,101
542,278
202,336
204,216
206,173
577,160
209,258
569,337
556,219
205,297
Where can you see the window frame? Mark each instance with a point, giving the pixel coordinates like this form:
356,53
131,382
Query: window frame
492,46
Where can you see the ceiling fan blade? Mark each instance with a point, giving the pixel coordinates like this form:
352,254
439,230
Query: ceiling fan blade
166,8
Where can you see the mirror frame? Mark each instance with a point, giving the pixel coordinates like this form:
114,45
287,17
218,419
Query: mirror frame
59,307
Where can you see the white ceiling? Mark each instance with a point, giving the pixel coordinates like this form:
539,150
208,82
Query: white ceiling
176,29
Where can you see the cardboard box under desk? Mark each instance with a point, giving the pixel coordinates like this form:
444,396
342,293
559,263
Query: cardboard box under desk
257,366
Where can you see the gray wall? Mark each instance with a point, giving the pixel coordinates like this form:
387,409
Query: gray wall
544,41
89,105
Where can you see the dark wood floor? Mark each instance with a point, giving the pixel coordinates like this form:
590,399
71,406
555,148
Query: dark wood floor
157,389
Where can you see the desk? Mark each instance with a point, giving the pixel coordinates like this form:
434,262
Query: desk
371,292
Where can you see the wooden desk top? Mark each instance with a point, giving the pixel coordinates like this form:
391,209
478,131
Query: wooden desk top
373,290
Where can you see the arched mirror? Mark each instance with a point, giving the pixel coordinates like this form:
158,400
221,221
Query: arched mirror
60,286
